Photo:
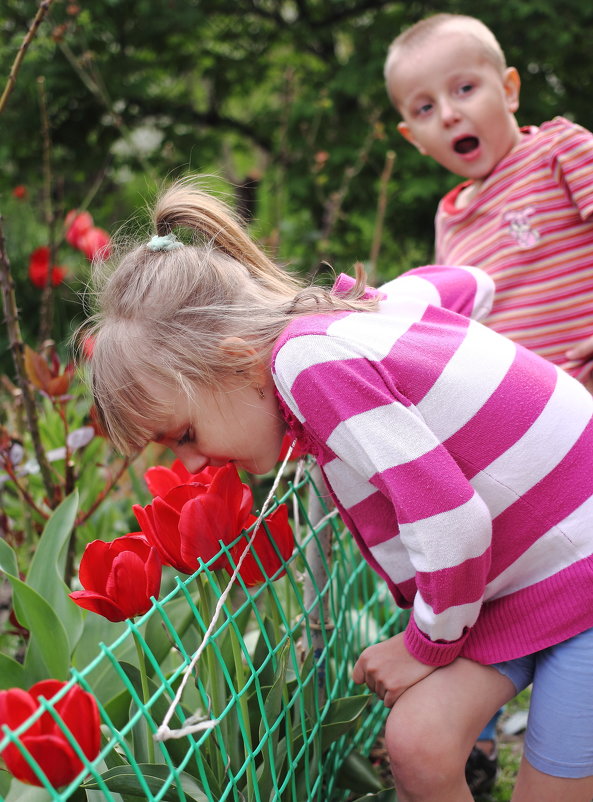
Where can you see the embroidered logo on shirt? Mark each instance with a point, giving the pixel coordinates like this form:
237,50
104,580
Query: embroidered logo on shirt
520,228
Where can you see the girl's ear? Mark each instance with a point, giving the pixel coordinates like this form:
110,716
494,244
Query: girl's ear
404,130
241,352
512,87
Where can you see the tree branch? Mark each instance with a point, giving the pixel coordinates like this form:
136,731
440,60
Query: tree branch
10,83
15,339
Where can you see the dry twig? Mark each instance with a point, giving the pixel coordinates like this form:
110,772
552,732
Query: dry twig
44,7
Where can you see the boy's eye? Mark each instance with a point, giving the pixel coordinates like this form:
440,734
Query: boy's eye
425,108
464,89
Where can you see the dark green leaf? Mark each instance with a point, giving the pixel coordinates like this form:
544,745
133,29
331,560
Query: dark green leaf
126,780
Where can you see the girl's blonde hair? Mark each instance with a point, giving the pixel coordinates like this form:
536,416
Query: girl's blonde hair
162,315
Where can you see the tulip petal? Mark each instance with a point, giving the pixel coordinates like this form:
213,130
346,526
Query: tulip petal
80,713
203,523
266,547
127,585
16,706
95,566
55,756
161,480
97,603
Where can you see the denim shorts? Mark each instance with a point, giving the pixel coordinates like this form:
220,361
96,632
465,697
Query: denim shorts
559,736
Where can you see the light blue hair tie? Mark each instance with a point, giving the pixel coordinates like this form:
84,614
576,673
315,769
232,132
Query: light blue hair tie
167,243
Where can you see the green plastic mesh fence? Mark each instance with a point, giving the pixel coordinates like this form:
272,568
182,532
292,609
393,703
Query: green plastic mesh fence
268,712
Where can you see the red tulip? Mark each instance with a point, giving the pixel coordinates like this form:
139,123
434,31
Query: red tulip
297,451
76,224
280,533
20,192
44,739
39,269
94,242
189,520
161,479
119,577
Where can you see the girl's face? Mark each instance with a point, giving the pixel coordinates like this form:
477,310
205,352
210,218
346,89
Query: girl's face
231,424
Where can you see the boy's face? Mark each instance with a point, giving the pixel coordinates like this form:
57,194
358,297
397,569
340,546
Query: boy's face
456,105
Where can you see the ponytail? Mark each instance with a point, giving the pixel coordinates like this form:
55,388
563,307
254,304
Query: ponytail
184,205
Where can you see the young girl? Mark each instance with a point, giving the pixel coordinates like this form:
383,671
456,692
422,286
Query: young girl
461,463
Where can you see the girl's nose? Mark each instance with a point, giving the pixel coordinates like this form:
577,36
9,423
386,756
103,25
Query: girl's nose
193,461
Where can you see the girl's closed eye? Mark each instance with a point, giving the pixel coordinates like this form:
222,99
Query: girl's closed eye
186,437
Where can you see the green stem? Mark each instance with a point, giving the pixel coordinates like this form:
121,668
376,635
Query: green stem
241,698
145,692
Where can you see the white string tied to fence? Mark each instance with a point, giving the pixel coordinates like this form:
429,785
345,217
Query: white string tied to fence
196,723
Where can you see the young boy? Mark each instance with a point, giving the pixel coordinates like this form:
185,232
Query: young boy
523,214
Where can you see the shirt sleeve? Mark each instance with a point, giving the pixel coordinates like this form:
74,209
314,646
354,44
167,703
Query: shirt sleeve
466,290
571,158
443,528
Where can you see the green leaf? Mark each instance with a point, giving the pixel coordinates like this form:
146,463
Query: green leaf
262,655
357,774
342,716
46,572
176,747
387,795
5,780
19,792
272,708
8,562
125,780
48,653
12,674
157,637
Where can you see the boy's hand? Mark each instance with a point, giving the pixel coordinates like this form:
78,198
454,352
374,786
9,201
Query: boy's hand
584,350
389,669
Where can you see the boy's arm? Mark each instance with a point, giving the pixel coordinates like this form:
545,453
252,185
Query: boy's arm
466,290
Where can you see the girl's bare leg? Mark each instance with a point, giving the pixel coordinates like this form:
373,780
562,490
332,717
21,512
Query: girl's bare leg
433,726
534,786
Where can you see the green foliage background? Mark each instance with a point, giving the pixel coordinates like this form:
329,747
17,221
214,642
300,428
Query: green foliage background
287,93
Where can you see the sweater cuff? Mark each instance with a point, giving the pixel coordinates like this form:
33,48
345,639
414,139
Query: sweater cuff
429,652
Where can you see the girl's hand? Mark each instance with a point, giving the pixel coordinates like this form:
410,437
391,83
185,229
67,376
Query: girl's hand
389,669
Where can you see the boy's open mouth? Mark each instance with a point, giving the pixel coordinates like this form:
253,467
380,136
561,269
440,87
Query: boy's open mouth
466,144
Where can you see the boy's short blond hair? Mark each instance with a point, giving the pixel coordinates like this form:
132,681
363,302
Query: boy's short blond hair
419,33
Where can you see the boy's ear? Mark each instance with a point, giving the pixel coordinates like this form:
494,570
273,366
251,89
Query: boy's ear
512,88
240,350
404,130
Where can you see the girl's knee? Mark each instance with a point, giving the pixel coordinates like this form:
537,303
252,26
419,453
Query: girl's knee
421,756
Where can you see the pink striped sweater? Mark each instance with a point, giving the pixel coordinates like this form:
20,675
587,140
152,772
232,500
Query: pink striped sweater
530,228
461,462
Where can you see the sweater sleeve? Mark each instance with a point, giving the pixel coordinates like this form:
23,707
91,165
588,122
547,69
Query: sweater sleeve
443,531
466,290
